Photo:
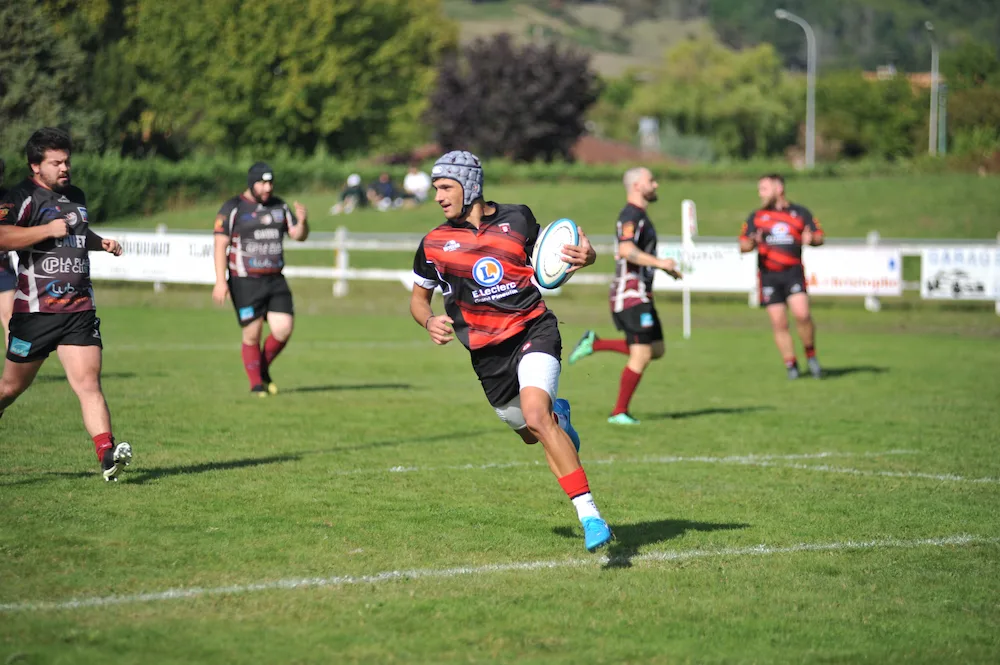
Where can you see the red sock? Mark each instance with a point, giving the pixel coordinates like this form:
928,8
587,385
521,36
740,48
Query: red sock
251,363
810,352
101,443
629,382
575,483
272,347
791,362
619,345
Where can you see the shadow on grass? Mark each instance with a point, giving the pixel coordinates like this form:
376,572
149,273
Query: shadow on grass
136,474
61,378
357,386
711,411
142,476
629,538
837,372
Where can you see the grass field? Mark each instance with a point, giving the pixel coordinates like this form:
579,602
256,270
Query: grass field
931,206
377,511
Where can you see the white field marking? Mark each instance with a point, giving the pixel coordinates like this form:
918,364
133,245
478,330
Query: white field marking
518,566
949,477
179,346
752,460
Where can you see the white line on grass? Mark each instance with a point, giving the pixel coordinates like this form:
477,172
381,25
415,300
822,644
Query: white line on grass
520,566
751,460
950,477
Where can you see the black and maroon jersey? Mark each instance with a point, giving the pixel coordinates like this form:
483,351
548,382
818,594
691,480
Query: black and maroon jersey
256,235
484,274
53,276
781,248
633,285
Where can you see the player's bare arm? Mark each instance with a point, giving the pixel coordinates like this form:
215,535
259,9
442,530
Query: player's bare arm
13,238
631,253
438,327
96,243
581,255
299,231
221,288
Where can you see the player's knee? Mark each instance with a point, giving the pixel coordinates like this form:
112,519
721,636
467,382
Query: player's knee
538,418
803,319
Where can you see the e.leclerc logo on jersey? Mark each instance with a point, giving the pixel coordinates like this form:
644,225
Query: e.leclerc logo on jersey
488,273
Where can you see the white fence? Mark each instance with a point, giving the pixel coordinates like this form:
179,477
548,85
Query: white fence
871,267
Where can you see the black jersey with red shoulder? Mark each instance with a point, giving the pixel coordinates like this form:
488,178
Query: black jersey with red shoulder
53,276
781,246
484,274
256,235
632,284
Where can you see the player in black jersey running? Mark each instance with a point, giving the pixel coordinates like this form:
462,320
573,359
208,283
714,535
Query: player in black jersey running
250,230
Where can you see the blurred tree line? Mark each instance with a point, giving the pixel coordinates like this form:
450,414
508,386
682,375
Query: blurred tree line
142,77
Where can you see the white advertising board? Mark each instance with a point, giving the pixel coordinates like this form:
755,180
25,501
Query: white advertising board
853,271
960,273
150,257
718,268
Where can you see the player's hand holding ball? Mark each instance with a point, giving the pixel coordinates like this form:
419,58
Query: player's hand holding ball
439,328
579,255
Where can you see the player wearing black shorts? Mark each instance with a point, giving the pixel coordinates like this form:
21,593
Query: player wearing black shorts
479,258
8,278
44,218
778,230
249,245
631,295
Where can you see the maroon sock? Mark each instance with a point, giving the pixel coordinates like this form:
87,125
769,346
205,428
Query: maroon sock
619,345
272,347
791,362
810,352
251,363
101,443
629,382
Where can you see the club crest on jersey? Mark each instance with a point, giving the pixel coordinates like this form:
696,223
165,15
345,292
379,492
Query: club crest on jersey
71,219
505,227
487,271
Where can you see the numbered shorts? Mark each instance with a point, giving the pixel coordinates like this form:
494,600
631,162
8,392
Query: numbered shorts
254,297
528,359
641,324
33,336
775,287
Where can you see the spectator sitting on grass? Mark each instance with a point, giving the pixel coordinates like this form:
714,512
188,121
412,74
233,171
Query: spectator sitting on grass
382,193
352,196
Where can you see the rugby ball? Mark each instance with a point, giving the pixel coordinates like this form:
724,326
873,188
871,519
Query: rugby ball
546,259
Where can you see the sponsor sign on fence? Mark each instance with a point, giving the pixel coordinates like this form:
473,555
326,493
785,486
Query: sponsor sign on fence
151,257
853,271
960,273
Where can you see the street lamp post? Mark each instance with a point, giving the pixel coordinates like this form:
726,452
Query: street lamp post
783,15
932,130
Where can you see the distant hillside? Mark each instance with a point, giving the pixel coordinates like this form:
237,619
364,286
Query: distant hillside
622,34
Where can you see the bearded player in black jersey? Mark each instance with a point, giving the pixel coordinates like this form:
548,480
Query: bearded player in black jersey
45,219
249,235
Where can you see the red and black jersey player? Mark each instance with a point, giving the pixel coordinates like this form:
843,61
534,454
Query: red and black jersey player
778,230
479,258
44,218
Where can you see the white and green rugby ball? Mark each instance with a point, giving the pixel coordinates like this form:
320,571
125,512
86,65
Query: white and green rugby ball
546,259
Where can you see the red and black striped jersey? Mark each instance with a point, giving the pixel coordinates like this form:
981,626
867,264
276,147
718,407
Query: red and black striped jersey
632,284
484,274
781,246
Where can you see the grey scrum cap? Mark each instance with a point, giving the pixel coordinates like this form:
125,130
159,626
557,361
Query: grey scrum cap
464,168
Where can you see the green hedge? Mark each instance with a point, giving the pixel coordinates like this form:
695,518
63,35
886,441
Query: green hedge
119,187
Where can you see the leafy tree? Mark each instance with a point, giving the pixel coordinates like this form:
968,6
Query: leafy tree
41,78
881,118
743,101
971,65
338,75
521,103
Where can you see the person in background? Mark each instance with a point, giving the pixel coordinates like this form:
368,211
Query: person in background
417,184
352,196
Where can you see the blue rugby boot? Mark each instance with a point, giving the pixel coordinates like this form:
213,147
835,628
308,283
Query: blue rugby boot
561,408
596,533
